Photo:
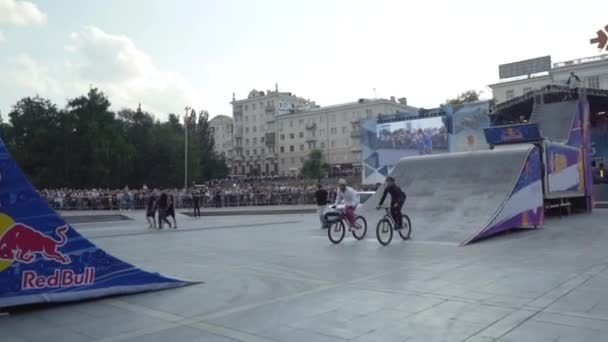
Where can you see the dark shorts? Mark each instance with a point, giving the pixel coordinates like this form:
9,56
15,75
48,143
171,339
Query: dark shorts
171,212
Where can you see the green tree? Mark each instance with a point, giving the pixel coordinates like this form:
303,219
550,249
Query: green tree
315,166
210,164
467,96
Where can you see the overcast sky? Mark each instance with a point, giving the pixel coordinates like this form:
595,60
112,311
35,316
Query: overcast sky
169,54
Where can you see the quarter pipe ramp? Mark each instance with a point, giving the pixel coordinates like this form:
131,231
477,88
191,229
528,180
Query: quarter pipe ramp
43,259
463,197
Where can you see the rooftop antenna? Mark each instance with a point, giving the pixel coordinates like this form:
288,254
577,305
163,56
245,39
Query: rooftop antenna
375,97
276,87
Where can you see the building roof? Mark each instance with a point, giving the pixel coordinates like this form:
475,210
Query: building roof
220,118
347,105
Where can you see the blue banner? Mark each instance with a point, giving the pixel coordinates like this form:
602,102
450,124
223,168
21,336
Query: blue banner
512,134
43,259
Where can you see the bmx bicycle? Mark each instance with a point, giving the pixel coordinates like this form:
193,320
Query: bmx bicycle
385,227
337,226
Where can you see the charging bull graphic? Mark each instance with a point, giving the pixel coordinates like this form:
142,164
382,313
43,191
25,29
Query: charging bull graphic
44,260
23,244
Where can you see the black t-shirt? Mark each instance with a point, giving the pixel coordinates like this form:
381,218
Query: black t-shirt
397,195
321,196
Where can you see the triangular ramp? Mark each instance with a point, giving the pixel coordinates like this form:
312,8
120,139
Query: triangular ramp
461,197
44,260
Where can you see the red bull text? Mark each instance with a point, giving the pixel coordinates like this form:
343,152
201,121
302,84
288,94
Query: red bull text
60,278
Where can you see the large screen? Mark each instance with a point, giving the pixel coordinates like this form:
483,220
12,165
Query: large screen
410,138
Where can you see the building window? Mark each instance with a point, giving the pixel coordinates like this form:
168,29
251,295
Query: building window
293,161
344,130
301,134
333,143
334,131
282,149
255,151
301,123
322,144
246,129
291,136
246,141
247,152
255,129
263,151
255,141
593,82
262,139
291,148
282,137
246,107
510,94
283,161
301,147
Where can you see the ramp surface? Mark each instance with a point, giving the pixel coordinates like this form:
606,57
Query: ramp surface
460,197
43,259
555,119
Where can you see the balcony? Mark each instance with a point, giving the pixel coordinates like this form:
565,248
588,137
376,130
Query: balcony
311,126
356,149
269,118
270,109
355,134
310,139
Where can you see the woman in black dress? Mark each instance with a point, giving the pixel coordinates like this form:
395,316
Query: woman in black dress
163,207
171,211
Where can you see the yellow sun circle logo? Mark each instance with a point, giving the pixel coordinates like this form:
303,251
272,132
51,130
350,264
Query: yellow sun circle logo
6,222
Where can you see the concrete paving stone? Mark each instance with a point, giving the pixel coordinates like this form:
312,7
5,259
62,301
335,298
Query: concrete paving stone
337,323
117,324
180,334
289,334
63,334
534,331
574,321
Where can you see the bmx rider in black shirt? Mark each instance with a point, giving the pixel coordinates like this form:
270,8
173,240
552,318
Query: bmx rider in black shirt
397,200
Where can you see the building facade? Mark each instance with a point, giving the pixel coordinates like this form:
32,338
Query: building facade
222,128
592,71
332,129
254,147
275,131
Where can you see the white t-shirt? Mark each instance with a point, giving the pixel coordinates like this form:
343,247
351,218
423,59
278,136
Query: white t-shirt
349,196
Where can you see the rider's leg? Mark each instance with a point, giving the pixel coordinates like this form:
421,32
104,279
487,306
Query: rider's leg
396,214
349,213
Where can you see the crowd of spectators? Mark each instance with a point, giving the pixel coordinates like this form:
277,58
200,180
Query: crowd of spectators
421,140
221,193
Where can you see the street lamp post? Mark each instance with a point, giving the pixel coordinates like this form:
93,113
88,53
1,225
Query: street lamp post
187,109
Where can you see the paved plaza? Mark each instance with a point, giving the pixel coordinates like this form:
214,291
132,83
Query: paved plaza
278,278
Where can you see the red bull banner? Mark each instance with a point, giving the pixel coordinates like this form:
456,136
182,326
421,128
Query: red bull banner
43,259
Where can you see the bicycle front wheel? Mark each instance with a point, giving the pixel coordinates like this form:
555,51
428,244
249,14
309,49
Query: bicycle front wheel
384,232
336,232
407,227
359,233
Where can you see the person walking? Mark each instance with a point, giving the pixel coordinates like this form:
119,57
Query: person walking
171,211
150,211
321,197
163,207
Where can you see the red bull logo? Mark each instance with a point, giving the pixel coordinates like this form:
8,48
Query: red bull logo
24,244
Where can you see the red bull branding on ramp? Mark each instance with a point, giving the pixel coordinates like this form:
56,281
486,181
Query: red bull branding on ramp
43,260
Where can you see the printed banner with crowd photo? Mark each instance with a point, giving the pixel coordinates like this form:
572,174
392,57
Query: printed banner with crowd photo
468,123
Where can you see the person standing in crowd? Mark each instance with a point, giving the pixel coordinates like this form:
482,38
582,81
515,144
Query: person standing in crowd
151,210
574,82
171,211
196,203
163,207
321,197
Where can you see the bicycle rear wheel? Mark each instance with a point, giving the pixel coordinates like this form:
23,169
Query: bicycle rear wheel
336,232
406,231
359,234
384,232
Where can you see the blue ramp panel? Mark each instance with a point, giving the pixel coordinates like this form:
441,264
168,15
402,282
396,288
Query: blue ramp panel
44,260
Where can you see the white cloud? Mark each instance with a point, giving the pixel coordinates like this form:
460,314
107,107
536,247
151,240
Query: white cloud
31,75
2,37
20,13
128,76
